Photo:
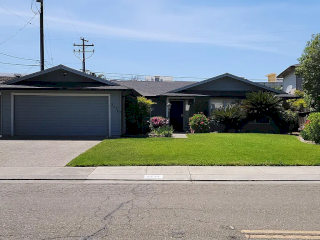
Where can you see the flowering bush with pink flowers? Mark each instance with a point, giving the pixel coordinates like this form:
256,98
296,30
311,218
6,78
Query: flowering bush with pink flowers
159,127
199,123
158,122
311,130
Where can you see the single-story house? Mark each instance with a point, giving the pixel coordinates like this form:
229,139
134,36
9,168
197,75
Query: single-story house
61,101
179,100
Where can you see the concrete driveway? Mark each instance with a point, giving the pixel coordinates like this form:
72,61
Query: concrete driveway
41,153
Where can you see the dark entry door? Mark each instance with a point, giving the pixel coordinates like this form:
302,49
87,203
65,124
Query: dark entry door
176,115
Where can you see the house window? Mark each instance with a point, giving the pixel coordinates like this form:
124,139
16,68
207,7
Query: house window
216,103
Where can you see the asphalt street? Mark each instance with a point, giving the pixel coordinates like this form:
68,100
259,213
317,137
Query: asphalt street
133,210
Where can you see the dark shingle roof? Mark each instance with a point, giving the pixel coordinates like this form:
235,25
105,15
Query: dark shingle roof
106,87
150,88
4,79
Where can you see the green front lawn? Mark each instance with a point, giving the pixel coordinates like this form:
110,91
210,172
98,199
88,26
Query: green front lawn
202,149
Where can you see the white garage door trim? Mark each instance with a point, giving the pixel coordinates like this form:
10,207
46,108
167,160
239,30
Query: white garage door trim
59,94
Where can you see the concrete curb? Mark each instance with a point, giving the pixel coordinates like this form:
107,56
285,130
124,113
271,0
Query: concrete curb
164,173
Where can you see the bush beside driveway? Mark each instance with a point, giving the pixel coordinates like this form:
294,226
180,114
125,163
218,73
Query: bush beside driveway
203,150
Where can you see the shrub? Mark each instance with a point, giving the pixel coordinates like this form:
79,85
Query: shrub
297,104
137,111
233,117
304,134
199,123
260,105
288,121
311,130
158,122
163,131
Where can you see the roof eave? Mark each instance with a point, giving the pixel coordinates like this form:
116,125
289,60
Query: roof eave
226,75
16,80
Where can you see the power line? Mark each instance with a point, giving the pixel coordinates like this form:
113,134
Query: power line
18,64
19,30
129,75
28,59
70,17
18,16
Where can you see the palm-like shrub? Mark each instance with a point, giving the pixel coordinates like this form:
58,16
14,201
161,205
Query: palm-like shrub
262,105
259,105
233,117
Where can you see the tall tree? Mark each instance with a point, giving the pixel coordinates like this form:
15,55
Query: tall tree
310,70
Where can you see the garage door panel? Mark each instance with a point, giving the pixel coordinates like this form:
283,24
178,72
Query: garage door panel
61,115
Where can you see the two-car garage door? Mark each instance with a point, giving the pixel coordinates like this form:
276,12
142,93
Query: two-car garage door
60,115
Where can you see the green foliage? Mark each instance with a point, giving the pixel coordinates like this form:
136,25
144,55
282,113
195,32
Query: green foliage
163,131
259,105
137,111
299,93
305,135
310,102
311,129
277,88
262,104
310,70
199,123
233,117
297,104
289,121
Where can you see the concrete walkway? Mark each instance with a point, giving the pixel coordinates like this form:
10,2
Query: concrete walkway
163,173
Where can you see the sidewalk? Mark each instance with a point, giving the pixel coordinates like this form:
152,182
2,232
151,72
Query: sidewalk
164,173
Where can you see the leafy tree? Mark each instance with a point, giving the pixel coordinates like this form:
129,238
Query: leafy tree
310,70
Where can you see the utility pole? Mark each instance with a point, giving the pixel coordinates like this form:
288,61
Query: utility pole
84,46
41,36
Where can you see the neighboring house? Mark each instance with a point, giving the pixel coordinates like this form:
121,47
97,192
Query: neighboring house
61,101
291,81
180,100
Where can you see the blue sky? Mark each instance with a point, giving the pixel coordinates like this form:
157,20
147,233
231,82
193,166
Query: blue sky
188,38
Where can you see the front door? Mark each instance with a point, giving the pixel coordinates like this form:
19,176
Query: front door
176,115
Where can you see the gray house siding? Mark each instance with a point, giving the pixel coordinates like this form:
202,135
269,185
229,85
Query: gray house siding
115,97
224,84
160,106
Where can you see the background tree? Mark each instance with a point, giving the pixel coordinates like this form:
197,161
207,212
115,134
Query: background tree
310,70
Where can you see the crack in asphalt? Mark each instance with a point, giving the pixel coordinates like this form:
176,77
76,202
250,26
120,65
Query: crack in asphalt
110,216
